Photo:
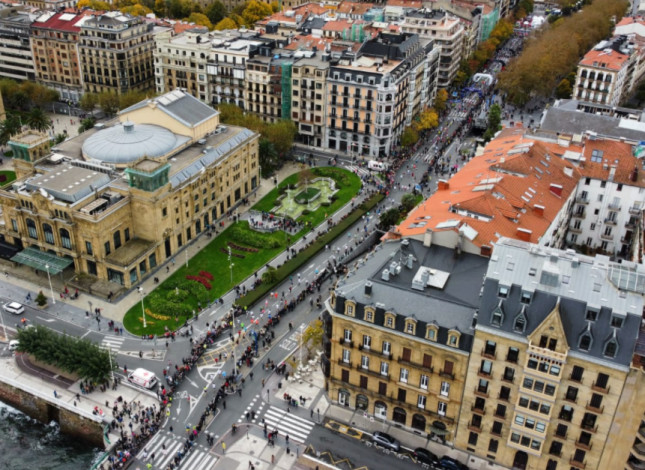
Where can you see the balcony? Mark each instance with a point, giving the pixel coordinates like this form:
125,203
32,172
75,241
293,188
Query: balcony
481,392
614,207
497,414
594,409
576,464
582,200
574,229
610,221
474,427
584,445
488,353
345,364
635,210
596,388
479,411
639,451
636,465
604,236
579,215
448,375
373,373
343,341
589,427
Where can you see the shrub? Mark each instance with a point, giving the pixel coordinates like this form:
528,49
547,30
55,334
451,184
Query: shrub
41,300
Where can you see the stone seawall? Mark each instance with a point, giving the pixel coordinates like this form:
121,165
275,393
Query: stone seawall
71,422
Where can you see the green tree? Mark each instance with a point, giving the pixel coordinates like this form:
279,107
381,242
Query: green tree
130,98
440,100
226,23
270,275
268,157
109,103
494,122
389,218
409,137
281,135
41,300
563,89
89,101
216,12
38,120
8,128
230,113
408,201
86,124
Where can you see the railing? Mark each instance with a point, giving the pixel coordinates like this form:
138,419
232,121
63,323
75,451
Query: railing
477,410
595,409
609,221
584,445
448,375
606,237
575,463
488,354
598,388
635,210
344,363
579,214
582,200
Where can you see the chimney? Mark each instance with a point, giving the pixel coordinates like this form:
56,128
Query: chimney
539,210
368,288
443,184
612,172
556,189
485,250
568,171
427,238
524,234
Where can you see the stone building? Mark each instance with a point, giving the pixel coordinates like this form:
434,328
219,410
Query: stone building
118,201
404,361
116,53
16,59
551,351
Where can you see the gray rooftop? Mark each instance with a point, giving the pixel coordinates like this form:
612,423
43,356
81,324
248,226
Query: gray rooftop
181,106
568,119
449,296
578,282
68,183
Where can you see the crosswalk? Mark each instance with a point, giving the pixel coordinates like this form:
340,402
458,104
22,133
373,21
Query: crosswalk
165,447
360,171
112,342
296,427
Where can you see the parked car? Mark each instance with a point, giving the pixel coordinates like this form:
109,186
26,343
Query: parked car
425,456
13,344
14,307
385,440
448,463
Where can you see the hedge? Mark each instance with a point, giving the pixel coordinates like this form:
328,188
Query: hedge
304,256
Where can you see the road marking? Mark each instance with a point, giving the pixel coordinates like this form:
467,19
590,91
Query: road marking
48,320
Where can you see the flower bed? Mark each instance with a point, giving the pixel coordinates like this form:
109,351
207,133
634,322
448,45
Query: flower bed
202,280
236,255
242,248
206,274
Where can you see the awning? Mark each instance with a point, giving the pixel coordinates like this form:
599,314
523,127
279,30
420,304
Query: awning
42,260
438,431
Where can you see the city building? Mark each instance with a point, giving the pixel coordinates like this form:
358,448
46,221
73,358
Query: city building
446,31
116,202
604,72
50,5
16,59
551,352
54,45
404,362
633,28
309,106
373,93
516,187
268,84
116,53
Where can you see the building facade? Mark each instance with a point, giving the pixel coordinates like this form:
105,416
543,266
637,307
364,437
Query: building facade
16,58
116,202
404,362
116,52
54,45
309,106
551,352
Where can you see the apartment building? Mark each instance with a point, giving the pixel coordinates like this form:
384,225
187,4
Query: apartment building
369,92
268,84
404,363
446,31
16,59
603,73
551,351
610,198
114,203
309,94
54,45
116,53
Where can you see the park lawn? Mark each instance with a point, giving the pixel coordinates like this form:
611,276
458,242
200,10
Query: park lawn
10,175
215,262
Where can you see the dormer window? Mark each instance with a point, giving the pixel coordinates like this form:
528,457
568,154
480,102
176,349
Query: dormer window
390,320
611,348
526,297
453,338
591,315
520,324
503,291
410,327
350,308
369,315
585,342
431,332
617,321
498,316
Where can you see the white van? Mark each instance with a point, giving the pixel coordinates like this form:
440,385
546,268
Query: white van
376,166
143,378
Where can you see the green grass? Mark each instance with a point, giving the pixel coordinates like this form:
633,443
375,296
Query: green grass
11,176
305,195
174,300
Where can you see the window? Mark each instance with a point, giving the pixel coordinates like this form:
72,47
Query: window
49,233
492,445
503,291
88,248
427,361
497,428
445,389
389,322
346,356
591,315
421,402
504,393
410,327
566,413
31,229
602,380
367,341
126,234
423,382
513,354
365,362
349,309
500,410
385,368
348,335
556,448
585,342
387,348
561,430
403,377
431,333
572,394
611,348
472,438
405,355
106,247
441,408
596,401
526,297
363,382
486,367
617,321
498,317
509,374
489,348
117,239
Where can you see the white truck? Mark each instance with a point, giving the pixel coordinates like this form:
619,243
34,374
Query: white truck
377,166
143,378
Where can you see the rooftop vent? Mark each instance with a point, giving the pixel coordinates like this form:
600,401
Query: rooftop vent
368,288
410,261
385,275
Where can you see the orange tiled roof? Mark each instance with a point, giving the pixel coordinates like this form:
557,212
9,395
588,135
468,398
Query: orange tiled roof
311,8
354,8
609,60
307,42
614,154
415,4
506,188
340,25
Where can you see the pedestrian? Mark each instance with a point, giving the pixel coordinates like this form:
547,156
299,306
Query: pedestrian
311,413
239,391
223,447
140,354
262,383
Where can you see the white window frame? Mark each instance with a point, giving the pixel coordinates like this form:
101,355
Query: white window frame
404,375
445,389
385,368
442,407
346,356
421,402
424,381
387,348
367,341
348,335
365,362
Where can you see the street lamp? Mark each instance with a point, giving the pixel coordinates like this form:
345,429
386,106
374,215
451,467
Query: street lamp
51,289
143,310
230,263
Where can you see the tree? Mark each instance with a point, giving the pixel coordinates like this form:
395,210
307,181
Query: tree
494,121
41,300
109,103
216,12
281,134
200,19
8,128
230,113
270,275
440,100
255,11
38,120
313,335
131,97
563,89
426,119
226,23
268,157
136,10
305,177
409,137
86,124
38,94
89,101
182,8
97,5
408,201
389,218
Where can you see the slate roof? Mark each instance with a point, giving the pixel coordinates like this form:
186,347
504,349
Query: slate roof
452,307
580,282
180,105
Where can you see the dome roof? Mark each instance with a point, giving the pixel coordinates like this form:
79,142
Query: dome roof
126,143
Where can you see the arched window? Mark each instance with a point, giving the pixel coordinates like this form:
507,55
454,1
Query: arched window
418,422
49,233
31,229
399,415
380,410
65,240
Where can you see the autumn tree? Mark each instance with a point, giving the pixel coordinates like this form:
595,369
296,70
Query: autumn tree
281,134
199,19
409,137
255,11
136,10
109,103
441,100
564,89
89,101
226,23
130,98
97,5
